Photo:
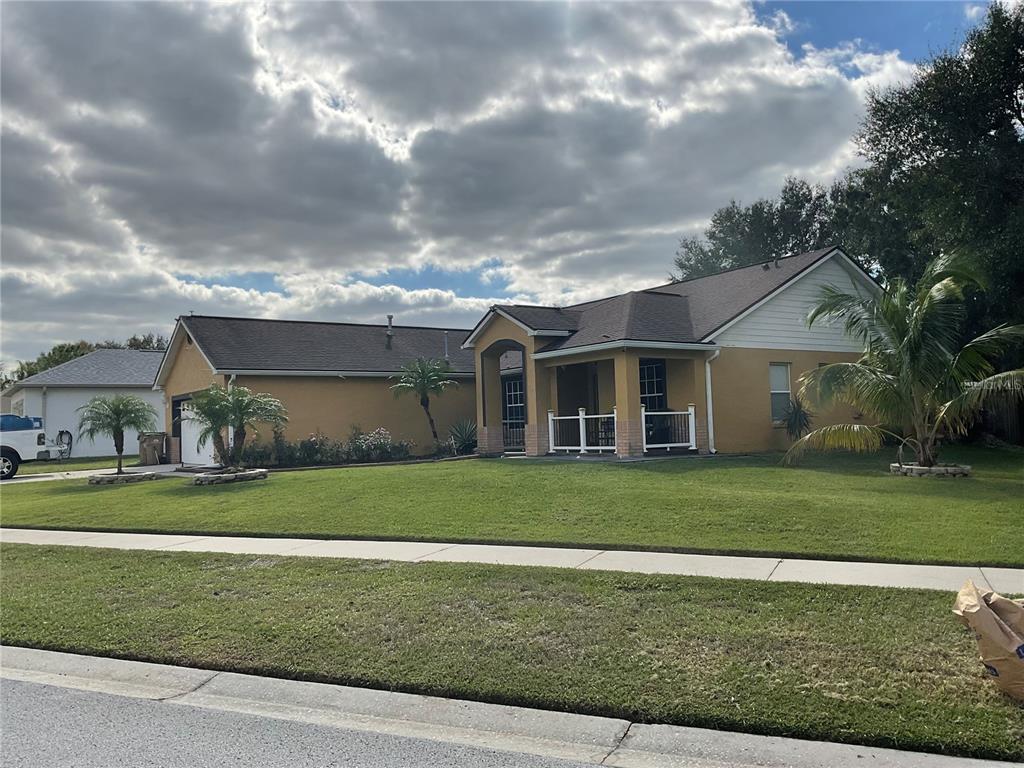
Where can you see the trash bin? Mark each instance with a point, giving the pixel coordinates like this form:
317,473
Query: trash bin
151,448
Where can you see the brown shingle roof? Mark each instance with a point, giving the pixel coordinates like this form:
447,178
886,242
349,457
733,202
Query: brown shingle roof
238,343
716,299
543,318
637,315
686,311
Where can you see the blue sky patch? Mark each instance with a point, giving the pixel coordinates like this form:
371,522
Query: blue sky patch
264,282
917,29
460,282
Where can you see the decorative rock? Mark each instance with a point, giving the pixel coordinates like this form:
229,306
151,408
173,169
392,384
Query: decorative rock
940,470
129,477
216,478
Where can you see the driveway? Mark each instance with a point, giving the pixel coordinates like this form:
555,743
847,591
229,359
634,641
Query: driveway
84,473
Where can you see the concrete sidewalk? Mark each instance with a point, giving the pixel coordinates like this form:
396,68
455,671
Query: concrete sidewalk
583,738
1008,581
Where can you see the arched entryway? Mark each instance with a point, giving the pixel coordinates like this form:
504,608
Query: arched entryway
503,392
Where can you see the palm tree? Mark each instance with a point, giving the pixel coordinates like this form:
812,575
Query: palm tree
112,416
423,378
220,409
914,377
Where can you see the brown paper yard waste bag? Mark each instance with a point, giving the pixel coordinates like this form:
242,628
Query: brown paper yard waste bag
998,624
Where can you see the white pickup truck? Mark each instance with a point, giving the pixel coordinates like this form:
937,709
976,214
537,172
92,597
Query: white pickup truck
21,440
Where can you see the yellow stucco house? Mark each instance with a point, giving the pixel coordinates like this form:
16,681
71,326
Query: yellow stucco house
330,376
705,365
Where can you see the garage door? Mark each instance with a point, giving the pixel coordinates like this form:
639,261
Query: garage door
190,429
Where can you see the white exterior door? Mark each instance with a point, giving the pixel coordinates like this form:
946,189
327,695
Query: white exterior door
190,429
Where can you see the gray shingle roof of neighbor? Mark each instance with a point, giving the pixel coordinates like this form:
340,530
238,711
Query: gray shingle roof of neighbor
250,344
687,311
102,368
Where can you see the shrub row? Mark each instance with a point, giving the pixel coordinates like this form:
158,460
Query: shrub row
320,450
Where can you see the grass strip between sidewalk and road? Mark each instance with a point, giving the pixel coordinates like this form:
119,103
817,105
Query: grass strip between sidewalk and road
835,507
864,665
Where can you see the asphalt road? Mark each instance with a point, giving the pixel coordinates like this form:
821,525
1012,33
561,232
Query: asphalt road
47,727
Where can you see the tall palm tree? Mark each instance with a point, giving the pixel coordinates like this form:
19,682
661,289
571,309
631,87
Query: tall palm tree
112,416
914,376
425,377
220,409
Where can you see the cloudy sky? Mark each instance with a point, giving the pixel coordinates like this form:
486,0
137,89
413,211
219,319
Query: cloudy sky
341,162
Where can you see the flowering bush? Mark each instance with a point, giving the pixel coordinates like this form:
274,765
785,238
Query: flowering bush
376,446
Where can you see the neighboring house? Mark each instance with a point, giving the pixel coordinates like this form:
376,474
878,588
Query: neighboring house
329,376
707,364
57,393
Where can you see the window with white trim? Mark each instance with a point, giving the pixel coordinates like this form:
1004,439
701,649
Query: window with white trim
652,384
514,405
778,384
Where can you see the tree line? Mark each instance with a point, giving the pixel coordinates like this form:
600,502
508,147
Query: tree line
943,172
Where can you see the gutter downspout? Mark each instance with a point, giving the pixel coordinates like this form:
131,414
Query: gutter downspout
42,406
709,403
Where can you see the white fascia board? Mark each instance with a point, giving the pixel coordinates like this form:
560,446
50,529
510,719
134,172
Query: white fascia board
334,374
624,344
172,350
469,342
859,271
484,322
792,281
177,339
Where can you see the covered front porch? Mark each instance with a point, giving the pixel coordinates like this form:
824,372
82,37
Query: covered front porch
623,402
587,411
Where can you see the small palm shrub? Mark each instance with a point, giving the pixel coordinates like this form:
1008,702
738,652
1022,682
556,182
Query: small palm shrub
463,436
423,378
238,410
112,416
916,376
798,418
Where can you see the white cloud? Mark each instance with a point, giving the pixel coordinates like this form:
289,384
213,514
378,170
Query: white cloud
974,11
559,148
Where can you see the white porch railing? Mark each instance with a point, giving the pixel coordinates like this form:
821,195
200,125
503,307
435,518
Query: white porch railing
669,429
582,433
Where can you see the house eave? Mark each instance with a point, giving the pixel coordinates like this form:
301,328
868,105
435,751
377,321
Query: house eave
470,341
625,344
171,353
826,257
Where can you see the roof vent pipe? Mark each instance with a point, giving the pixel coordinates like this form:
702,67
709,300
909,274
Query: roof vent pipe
391,331
446,345
776,262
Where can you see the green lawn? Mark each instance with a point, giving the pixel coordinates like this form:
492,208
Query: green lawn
853,664
73,464
833,507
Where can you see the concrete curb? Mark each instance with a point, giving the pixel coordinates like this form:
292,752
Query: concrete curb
584,738
950,578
